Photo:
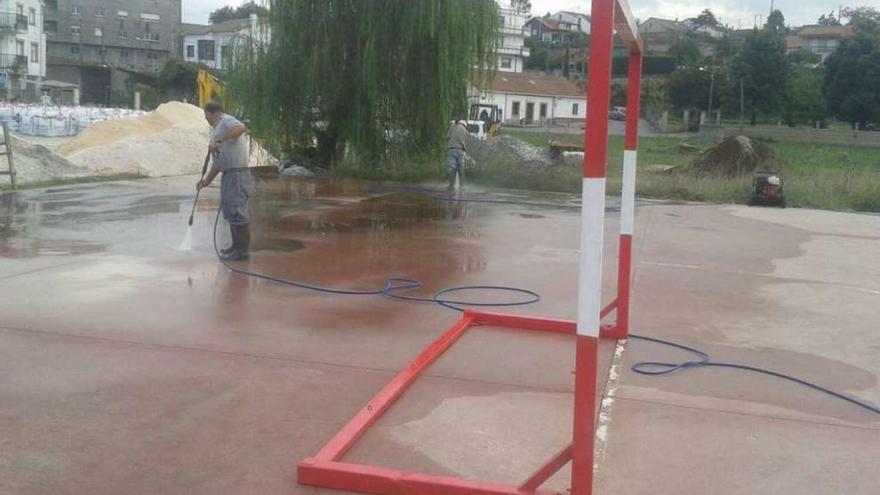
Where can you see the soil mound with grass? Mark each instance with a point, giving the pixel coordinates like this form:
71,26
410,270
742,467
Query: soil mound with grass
733,157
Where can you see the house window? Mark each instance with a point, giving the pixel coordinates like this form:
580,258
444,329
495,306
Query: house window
19,9
501,20
74,50
32,17
122,13
190,51
99,11
515,110
99,32
206,50
543,110
575,108
506,62
50,27
124,54
74,30
122,32
35,53
76,10
224,54
19,48
152,56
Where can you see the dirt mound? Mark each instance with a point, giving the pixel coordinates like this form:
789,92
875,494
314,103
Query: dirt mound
172,140
736,155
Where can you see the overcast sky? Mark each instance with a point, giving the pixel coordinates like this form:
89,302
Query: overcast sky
733,12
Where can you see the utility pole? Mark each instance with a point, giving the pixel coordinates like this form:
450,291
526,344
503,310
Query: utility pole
711,90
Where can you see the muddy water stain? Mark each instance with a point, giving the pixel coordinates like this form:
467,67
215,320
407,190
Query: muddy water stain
278,244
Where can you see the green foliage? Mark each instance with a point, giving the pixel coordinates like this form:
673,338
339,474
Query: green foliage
776,22
761,65
243,11
345,73
178,77
803,96
866,19
688,89
828,20
686,50
654,96
852,80
705,19
803,56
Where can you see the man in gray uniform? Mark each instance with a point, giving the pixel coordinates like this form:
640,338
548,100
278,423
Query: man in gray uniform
456,143
229,146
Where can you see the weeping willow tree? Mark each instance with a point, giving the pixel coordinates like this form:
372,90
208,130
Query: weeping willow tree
347,74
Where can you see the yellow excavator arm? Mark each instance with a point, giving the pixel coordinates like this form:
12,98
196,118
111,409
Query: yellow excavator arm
209,88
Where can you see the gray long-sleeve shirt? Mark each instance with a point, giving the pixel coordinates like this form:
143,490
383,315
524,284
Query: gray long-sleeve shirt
456,137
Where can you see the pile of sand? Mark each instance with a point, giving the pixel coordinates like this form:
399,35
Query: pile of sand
37,163
172,140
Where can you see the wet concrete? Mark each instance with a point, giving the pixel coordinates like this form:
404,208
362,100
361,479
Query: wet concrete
130,367
134,367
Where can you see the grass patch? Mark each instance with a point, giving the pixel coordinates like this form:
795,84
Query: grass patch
817,175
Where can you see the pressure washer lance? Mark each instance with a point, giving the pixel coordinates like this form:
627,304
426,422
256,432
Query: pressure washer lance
186,244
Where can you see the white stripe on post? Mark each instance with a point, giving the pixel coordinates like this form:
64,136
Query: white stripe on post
628,199
592,241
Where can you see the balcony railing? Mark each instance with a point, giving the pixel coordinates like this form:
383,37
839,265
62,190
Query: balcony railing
516,51
14,62
512,30
12,20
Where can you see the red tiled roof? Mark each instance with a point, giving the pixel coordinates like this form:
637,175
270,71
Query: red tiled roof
794,42
826,31
550,24
531,84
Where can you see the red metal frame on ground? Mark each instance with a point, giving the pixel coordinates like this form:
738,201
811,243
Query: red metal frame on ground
327,469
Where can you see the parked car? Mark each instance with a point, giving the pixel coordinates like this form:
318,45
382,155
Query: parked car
617,113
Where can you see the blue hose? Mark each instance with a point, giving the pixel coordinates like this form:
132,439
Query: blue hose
395,288
658,368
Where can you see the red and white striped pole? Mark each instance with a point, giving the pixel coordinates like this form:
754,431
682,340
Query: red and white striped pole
592,233
628,197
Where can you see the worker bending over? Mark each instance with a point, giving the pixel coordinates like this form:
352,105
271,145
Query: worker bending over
229,147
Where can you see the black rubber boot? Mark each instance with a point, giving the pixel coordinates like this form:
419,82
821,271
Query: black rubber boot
241,239
228,251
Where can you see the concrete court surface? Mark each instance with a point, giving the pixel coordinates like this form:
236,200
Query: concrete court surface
129,367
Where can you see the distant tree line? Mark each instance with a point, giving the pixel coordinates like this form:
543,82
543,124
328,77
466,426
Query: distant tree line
759,77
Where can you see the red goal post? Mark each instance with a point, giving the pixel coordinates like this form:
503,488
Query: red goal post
329,470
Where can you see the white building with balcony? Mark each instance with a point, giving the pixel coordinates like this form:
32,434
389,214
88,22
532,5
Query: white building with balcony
212,45
22,47
512,51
